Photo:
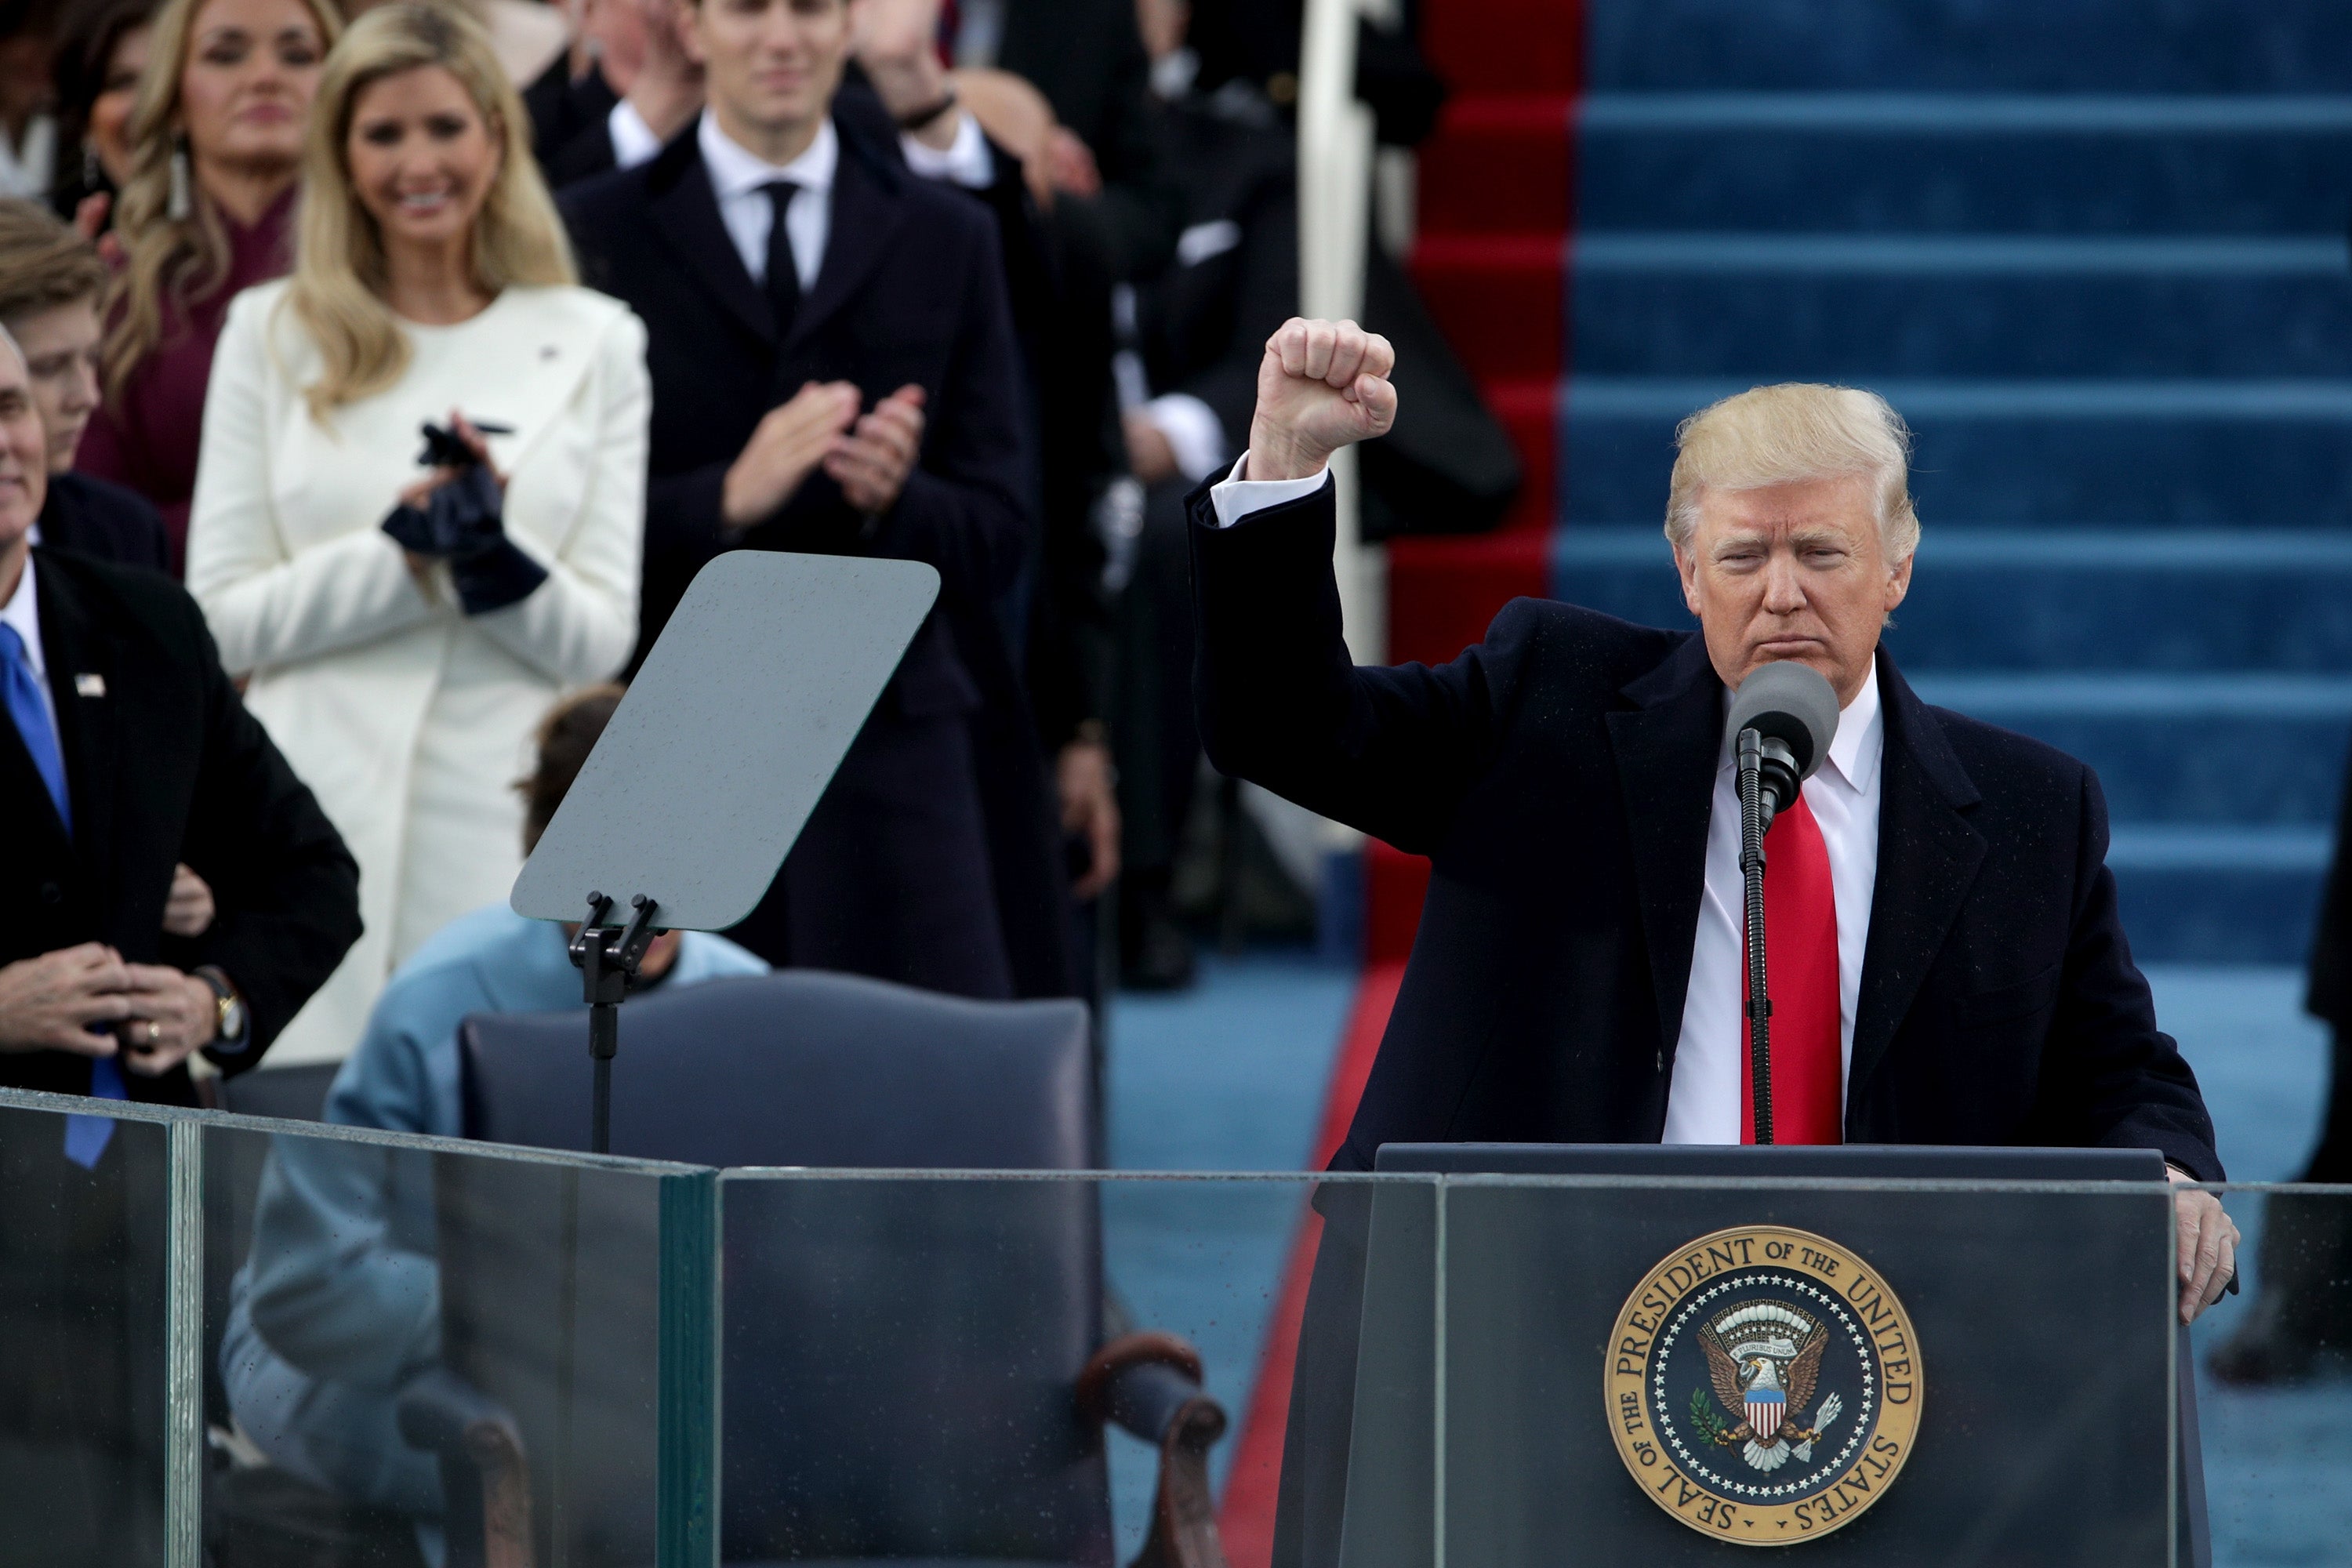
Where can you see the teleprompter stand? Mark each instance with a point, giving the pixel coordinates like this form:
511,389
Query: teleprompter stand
607,957
711,764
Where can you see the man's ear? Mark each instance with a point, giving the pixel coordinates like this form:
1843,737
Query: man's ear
689,30
1686,568
1898,582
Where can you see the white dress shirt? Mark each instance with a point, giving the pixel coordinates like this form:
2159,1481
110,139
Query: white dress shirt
1703,1102
23,612
965,162
740,178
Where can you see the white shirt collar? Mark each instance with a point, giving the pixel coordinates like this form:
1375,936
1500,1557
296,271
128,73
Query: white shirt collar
23,612
1861,738
1859,741
736,171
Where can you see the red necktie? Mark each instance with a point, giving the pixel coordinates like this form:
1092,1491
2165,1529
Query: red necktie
1801,956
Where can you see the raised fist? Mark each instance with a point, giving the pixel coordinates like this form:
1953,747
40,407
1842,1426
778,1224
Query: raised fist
1322,385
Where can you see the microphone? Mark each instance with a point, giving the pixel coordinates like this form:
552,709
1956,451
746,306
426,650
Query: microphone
1794,714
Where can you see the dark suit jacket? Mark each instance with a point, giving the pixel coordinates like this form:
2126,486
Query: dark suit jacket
911,292
1559,775
93,516
1087,56
162,765
570,128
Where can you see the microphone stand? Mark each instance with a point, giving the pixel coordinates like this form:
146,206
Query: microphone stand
1752,824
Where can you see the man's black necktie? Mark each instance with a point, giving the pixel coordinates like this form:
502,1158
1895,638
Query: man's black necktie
783,281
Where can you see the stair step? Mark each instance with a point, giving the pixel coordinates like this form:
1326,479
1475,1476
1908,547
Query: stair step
1498,298
2216,751
1849,307
2220,911
2014,45
2100,453
1933,162
1443,592
1497,165
2090,600
1506,45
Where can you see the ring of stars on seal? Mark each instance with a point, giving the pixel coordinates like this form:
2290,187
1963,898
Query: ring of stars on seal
1763,1385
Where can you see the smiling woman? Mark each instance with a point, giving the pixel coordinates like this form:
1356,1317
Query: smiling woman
216,138
399,664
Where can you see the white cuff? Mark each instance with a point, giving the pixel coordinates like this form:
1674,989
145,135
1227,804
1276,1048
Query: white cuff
965,162
1194,432
633,141
1236,497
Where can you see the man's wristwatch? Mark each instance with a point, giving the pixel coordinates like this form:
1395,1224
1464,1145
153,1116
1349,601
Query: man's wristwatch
234,1025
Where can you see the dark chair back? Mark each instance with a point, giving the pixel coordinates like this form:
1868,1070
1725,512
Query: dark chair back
899,1356
295,1093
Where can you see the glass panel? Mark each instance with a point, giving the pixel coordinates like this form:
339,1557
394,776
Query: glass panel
84,1243
1904,1371
416,1345
2274,1382
906,1353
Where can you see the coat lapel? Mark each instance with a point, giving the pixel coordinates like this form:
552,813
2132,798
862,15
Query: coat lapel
1928,858
88,731
685,214
868,211
1666,750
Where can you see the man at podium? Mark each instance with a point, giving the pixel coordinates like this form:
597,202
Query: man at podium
1946,961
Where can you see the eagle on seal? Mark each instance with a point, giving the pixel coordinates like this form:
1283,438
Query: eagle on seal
1764,1360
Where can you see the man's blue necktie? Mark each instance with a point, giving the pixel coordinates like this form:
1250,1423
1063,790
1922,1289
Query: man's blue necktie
86,1136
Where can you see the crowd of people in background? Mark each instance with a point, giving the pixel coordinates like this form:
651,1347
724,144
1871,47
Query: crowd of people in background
433,346
979,284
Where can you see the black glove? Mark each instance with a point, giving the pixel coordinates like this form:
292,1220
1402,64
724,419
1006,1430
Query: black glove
463,523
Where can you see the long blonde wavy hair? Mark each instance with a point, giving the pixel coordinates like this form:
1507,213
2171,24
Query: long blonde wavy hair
164,256
340,275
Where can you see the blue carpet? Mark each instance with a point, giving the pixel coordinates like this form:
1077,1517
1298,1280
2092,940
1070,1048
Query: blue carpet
2278,1464
1229,1076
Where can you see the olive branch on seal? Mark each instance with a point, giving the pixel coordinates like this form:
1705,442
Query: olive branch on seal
1703,1415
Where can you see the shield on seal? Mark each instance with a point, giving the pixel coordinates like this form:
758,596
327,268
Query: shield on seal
1765,1408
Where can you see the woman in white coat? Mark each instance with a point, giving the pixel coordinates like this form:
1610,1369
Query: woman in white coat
432,283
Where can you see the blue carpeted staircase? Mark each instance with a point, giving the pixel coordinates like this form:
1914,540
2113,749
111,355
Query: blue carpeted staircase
2096,254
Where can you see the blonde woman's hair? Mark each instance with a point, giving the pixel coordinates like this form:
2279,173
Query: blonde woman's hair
165,255
340,278
1796,431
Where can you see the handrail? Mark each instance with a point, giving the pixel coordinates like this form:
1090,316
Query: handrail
1335,191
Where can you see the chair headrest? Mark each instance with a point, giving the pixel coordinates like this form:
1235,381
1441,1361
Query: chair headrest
799,1067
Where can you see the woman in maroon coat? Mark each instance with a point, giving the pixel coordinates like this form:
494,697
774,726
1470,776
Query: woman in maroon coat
216,139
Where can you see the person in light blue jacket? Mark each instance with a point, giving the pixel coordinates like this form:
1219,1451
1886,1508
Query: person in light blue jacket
337,1306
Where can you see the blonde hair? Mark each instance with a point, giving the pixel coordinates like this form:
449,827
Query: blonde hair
340,275
1791,432
164,254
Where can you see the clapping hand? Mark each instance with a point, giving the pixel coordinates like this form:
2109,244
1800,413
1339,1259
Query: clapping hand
785,448
1322,385
871,461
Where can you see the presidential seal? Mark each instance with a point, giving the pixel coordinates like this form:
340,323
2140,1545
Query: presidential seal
1764,1385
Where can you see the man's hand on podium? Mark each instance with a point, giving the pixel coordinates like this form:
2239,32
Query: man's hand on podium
2208,1246
1321,387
